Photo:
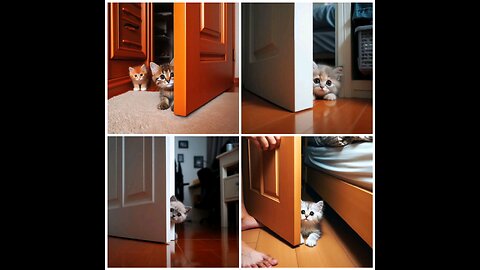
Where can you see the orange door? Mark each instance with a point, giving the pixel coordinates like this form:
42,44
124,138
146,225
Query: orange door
202,52
272,186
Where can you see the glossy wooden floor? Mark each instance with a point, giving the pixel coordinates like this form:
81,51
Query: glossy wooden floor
341,116
339,246
198,246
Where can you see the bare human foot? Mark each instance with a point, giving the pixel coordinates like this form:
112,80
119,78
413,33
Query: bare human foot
254,259
248,222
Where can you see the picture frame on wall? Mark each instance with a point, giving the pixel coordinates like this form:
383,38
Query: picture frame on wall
198,161
182,144
180,158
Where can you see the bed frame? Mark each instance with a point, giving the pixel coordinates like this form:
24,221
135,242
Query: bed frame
353,204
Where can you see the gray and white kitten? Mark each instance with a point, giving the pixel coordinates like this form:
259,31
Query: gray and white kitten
311,215
162,75
178,211
326,81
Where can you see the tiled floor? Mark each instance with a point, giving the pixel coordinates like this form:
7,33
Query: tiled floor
341,116
198,246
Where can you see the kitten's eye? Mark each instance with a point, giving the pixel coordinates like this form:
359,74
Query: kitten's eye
311,213
141,75
316,80
303,212
171,209
328,83
171,74
178,214
162,77
136,75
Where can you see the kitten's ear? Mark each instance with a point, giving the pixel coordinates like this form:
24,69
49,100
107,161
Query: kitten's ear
314,65
338,73
171,62
131,69
188,208
144,68
173,198
319,205
154,67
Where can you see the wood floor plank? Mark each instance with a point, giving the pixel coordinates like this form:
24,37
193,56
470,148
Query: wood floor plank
365,122
344,115
358,250
270,245
327,253
250,235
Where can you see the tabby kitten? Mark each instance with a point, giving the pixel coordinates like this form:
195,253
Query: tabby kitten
178,211
162,75
326,81
311,215
139,76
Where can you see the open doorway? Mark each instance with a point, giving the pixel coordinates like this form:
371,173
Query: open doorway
146,227
192,46
279,43
163,33
308,182
324,33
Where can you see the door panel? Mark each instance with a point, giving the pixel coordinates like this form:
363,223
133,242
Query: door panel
272,186
137,187
277,53
128,31
138,178
203,53
211,22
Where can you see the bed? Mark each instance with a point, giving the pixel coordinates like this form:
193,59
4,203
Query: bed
323,32
343,177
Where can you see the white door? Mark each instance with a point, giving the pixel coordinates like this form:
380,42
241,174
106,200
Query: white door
139,187
277,53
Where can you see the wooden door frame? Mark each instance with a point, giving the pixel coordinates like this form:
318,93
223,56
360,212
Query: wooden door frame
170,160
343,54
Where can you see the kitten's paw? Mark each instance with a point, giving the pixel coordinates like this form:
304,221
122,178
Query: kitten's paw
163,106
136,89
311,242
330,97
302,241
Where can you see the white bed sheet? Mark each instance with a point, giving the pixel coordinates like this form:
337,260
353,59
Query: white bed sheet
352,163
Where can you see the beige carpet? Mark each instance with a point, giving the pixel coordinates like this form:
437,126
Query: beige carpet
136,112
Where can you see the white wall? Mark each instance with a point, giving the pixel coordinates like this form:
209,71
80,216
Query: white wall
197,146
237,37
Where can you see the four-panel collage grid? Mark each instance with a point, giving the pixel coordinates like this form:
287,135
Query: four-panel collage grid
239,134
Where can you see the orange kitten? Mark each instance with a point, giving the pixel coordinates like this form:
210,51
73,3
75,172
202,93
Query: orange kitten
139,76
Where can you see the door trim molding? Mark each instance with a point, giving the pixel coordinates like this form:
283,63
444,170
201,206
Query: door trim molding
343,45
